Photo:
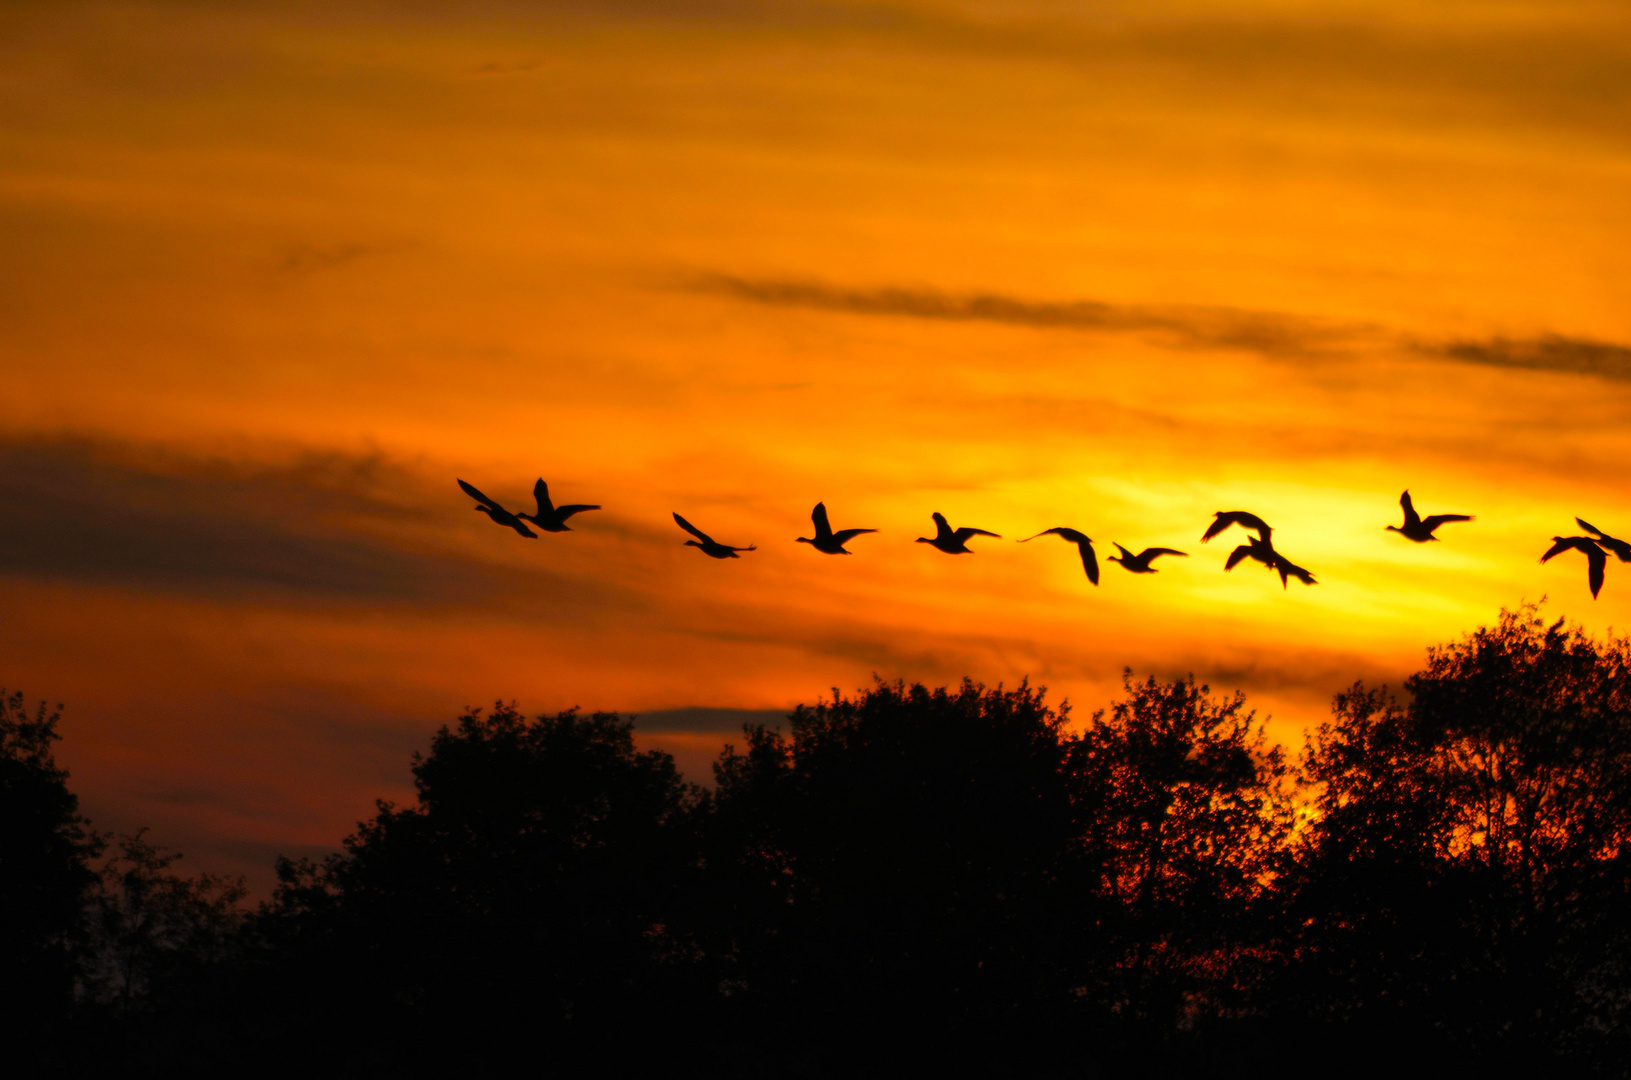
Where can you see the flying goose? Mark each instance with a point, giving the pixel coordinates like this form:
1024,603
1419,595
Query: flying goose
551,518
1083,543
825,540
1140,563
1618,547
1596,559
707,544
1418,528
493,510
1225,518
952,543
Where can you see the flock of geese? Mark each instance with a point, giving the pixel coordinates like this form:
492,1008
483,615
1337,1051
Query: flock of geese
1259,548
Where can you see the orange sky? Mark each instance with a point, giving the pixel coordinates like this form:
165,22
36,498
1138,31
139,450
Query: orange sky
273,276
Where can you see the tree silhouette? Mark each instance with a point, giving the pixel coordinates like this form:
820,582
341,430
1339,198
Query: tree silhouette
528,894
907,880
889,870
1183,809
45,872
1467,874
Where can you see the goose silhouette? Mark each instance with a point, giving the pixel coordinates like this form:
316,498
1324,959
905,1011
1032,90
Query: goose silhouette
1596,559
952,543
1084,544
707,544
551,518
825,540
492,509
1225,518
1418,528
1618,547
1140,563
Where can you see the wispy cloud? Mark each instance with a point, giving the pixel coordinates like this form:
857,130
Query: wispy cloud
1548,353
1181,326
1271,334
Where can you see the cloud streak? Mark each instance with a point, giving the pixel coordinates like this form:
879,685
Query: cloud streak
1548,353
1181,326
1272,334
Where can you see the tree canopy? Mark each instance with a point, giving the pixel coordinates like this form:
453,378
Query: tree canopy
958,879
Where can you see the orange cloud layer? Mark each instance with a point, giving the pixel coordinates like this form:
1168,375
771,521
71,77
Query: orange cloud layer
274,276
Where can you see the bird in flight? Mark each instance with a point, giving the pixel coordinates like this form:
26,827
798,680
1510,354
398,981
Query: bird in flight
1618,547
1420,529
707,544
1225,518
1596,559
952,543
1084,544
551,518
1140,563
493,510
825,539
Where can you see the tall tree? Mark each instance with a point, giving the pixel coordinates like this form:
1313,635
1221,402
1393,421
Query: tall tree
529,895
46,849
1183,809
889,868
1468,867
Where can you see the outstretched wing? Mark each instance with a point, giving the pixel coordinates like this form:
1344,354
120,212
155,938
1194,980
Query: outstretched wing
844,536
1090,561
943,530
475,493
967,531
1245,519
1410,516
1595,558
522,529
564,512
1244,551
1431,523
540,491
1588,526
1069,534
1150,553
1561,544
819,516
693,530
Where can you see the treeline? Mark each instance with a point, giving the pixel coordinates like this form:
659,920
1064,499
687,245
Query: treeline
907,881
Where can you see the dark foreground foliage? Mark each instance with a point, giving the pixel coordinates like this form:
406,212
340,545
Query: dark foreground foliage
910,881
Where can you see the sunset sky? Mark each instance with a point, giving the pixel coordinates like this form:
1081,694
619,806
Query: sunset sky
273,276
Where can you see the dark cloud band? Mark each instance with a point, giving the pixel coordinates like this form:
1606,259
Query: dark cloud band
322,527
1267,333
